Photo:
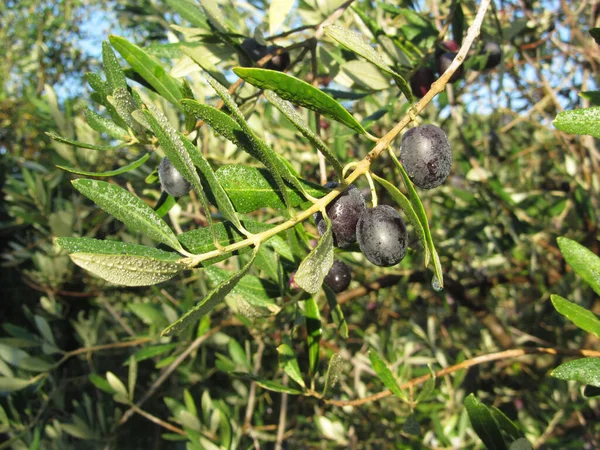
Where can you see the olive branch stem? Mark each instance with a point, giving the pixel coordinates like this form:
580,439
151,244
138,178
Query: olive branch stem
363,166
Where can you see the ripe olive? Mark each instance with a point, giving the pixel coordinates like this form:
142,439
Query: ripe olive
382,236
421,81
344,212
443,62
494,54
426,155
339,276
253,50
278,62
171,180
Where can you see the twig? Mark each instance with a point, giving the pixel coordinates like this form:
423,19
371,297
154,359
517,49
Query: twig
157,421
282,415
507,354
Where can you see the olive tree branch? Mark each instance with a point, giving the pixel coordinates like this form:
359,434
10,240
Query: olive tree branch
507,354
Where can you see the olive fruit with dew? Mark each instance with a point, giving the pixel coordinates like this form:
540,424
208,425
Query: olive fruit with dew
344,212
171,180
382,236
421,81
426,155
339,276
444,56
493,51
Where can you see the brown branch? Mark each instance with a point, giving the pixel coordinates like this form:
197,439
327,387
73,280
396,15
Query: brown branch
507,354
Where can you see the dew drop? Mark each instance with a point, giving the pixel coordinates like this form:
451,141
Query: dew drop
435,284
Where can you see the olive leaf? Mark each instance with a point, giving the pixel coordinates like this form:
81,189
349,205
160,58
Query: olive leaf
315,267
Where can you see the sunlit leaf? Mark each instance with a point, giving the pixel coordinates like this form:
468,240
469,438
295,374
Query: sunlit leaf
579,121
315,267
109,173
584,370
582,260
289,363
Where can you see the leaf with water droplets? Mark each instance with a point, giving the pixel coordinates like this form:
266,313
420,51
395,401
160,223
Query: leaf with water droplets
579,121
129,209
79,144
115,77
213,298
580,316
121,263
333,372
582,260
124,104
584,370
318,262
299,93
214,15
292,115
103,125
109,173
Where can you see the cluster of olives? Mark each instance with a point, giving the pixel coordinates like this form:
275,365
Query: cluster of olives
256,51
445,53
380,231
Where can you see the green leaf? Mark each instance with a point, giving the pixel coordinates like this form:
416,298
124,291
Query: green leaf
64,140
290,113
427,388
289,364
278,11
484,424
314,330
250,188
129,209
222,123
507,426
279,171
579,121
214,297
115,77
214,16
299,93
358,45
116,384
125,104
132,376
110,173
583,318
149,68
584,370
101,383
203,55
333,372
592,96
315,267
582,260
121,263
103,125
520,444
438,281
336,312
9,384
591,391
409,211
385,374
189,10
268,384
411,425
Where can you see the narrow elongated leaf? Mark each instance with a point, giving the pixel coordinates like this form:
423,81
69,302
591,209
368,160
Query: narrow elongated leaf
9,384
582,260
385,374
214,297
177,152
353,41
260,150
190,11
336,312
222,123
299,93
127,208
110,173
132,376
149,68
509,428
115,77
79,144
288,111
314,330
289,364
214,16
103,125
484,424
579,121
222,200
427,388
438,282
318,262
121,263
250,188
203,57
152,351
268,384
116,384
584,370
409,211
333,372
278,11
125,104
583,318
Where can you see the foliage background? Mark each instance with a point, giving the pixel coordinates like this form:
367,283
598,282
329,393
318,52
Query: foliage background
517,184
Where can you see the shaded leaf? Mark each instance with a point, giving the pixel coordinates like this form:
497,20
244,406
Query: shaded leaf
507,426
484,424
299,93
127,168
582,260
127,208
314,331
79,144
336,312
595,33
268,384
385,374
315,267
9,384
214,297
189,10
584,370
